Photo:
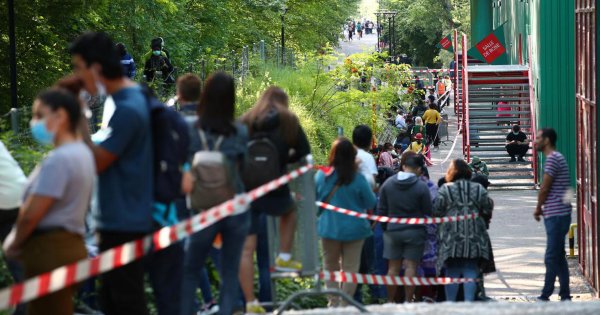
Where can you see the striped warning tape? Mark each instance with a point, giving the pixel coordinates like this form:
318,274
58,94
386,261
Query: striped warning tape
383,219
349,277
113,258
429,70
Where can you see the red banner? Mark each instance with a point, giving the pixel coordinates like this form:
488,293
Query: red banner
490,48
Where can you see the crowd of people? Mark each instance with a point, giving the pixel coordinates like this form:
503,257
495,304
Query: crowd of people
358,28
154,167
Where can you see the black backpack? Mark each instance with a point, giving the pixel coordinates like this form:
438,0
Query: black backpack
170,139
263,162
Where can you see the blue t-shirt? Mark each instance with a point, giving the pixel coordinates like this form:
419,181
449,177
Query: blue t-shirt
125,188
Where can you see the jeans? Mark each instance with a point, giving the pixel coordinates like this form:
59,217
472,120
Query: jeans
165,271
555,258
466,268
122,289
204,283
233,230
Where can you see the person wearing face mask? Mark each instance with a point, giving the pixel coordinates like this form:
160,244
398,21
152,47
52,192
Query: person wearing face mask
157,61
517,144
124,163
50,227
404,196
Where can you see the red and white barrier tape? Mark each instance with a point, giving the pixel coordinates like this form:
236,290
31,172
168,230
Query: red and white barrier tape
429,70
349,277
383,219
113,258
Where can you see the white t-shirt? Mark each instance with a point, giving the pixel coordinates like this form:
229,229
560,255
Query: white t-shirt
12,181
367,166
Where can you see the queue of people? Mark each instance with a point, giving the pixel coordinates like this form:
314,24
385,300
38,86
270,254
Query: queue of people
217,158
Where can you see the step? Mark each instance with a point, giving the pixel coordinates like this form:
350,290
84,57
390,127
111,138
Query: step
530,176
483,105
476,99
487,148
521,185
499,78
496,120
483,127
506,170
475,112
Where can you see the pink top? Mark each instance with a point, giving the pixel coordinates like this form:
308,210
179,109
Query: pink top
386,160
504,109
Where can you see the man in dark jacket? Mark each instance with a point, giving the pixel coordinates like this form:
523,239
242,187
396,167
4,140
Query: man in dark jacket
405,196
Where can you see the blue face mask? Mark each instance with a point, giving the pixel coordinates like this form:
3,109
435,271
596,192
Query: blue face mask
156,52
40,132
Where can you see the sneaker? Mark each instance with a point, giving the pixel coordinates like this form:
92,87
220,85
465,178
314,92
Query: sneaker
512,159
566,299
542,299
287,266
209,309
521,159
255,308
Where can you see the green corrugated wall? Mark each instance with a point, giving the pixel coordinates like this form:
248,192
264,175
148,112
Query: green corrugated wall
551,24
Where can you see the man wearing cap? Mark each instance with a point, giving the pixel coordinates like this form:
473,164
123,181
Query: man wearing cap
478,167
417,146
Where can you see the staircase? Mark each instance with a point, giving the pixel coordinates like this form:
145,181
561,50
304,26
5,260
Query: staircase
486,127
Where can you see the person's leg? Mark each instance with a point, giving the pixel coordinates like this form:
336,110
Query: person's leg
551,259
470,271
204,284
234,229
351,252
410,271
287,228
522,148
197,247
380,264
563,265
122,289
394,268
43,253
453,270
511,150
436,138
332,252
165,271
246,274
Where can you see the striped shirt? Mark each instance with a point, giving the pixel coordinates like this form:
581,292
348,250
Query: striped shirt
557,203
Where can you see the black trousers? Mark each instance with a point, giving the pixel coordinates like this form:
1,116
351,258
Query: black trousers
517,149
432,136
122,289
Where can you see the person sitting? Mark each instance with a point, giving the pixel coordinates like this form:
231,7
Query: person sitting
400,122
418,128
517,144
386,158
478,167
420,109
158,63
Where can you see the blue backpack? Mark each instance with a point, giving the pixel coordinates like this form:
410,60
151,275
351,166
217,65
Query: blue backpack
170,139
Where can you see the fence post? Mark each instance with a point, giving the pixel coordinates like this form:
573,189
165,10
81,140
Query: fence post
14,120
203,71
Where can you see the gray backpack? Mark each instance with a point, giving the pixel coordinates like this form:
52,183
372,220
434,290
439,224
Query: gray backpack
213,181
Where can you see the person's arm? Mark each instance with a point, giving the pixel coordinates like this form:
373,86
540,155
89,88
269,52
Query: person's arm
32,212
543,196
485,170
426,203
367,197
302,148
440,204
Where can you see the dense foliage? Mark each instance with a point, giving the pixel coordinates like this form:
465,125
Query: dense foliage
421,24
191,29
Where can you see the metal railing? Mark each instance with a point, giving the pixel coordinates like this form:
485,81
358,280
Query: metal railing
465,101
533,118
